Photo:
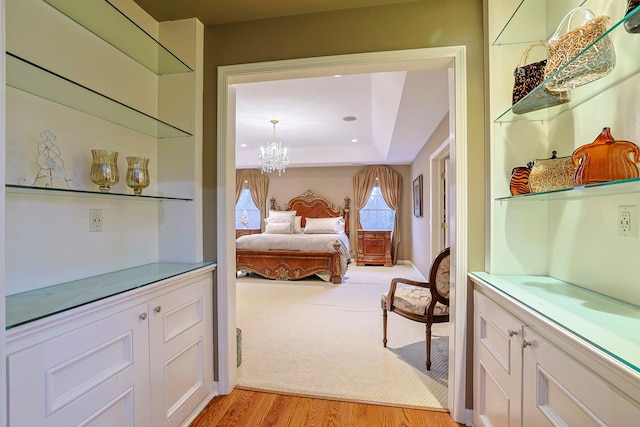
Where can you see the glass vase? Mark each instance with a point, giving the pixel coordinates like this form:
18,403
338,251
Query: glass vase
137,174
104,169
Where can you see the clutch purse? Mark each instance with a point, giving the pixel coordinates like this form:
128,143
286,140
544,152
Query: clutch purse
526,78
605,159
554,173
564,70
519,182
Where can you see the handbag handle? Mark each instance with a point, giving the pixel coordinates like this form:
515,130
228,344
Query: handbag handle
588,16
525,54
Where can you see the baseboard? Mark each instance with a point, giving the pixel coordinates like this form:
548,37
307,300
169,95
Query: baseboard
201,406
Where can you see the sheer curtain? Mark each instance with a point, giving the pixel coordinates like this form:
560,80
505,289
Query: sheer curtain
258,187
391,189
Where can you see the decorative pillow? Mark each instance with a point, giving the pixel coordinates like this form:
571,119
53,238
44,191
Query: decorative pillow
278,228
324,225
297,225
281,214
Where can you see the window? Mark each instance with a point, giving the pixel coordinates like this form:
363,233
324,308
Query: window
376,214
245,208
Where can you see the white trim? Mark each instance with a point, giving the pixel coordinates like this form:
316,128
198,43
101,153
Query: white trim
441,57
3,376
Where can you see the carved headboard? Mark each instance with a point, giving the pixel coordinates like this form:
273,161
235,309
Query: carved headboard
310,205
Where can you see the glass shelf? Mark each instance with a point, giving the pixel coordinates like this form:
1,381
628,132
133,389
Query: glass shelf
606,323
38,81
25,189
107,22
28,306
624,186
523,26
625,68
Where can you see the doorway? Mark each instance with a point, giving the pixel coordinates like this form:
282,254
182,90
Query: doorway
452,58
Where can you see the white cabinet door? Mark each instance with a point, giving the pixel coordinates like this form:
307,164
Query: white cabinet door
559,391
497,365
181,352
91,376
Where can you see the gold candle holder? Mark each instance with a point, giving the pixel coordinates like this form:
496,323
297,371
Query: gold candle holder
104,169
137,174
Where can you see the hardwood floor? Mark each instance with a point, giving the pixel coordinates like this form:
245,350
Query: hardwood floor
248,408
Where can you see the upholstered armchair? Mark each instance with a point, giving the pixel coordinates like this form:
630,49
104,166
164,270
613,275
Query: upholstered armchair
425,302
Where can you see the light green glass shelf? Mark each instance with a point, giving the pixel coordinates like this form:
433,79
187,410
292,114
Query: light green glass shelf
606,323
623,186
625,67
524,25
107,22
38,81
40,303
26,189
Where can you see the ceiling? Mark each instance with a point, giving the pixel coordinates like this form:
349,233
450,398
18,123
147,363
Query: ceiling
395,111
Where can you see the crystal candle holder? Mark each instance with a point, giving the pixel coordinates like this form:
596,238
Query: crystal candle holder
104,169
137,174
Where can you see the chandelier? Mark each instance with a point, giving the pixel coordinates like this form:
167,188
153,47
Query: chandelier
273,156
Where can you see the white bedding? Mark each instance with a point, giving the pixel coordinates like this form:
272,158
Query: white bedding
298,242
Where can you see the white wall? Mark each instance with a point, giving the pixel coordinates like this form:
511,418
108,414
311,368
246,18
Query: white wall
574,240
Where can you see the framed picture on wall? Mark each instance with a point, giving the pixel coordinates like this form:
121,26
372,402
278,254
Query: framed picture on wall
417,196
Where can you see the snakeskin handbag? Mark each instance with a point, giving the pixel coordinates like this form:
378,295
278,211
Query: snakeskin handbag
632,23
564,70
555,173
528,77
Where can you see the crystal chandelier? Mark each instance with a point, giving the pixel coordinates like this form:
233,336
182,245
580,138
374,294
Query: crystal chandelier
273,156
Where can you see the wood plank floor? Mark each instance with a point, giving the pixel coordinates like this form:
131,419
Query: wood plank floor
250,408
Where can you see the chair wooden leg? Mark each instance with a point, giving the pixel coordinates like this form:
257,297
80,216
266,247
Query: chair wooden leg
384,327
428,346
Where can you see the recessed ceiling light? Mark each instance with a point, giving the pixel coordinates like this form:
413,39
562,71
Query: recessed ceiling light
349,118
354,140
243,145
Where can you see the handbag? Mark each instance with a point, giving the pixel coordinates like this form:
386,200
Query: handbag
632,23
554,173
519,182
527,77
565,68
605,159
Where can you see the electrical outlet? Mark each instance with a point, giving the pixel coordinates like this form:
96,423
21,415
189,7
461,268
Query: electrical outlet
95,219
627,226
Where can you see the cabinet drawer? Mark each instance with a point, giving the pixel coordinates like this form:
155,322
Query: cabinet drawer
374,247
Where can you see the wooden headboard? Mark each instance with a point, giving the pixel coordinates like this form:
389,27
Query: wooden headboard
310,205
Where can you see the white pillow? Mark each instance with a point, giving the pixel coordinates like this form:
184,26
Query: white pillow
281,214
324,225
297,225
278,228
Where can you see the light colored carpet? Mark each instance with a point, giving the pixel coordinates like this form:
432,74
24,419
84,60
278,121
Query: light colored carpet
315,338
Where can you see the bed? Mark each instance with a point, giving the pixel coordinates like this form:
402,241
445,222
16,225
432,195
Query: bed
295,255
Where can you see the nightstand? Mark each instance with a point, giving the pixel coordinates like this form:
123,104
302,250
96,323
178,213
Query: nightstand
374,247
246,231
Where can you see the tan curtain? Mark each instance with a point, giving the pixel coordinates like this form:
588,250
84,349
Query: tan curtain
258,187
391,189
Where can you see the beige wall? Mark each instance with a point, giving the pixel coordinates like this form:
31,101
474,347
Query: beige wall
334,184
421,239
412,25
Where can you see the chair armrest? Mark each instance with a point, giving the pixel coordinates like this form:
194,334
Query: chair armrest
394,285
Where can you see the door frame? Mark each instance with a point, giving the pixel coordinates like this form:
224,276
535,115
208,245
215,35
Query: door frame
451,57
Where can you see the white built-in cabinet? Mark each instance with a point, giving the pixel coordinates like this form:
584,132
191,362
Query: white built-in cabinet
523,378
143,358
113,327
557,304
